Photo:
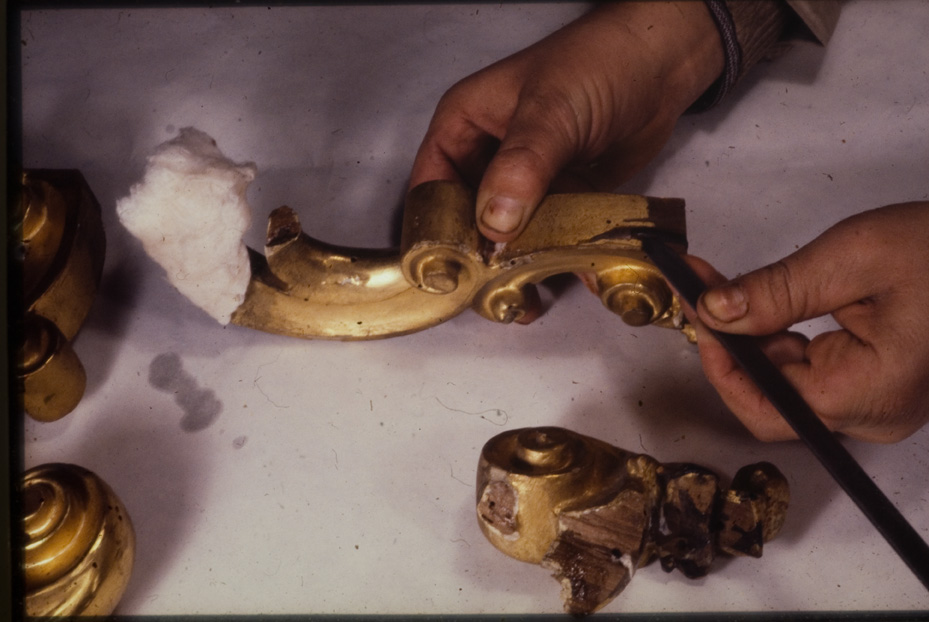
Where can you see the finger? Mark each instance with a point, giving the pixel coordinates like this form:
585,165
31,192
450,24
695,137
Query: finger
454,150
432,163
737,390
537,145
867,380
850,386
708,274
740,394
532,305
858,390
828,274
836,374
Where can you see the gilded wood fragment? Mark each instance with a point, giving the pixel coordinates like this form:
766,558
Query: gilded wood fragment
592,513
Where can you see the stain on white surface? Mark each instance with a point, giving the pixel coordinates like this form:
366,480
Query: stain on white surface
200,406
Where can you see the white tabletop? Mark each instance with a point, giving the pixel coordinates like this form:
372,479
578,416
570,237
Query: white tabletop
278,475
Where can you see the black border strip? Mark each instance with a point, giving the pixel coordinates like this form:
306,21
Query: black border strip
742,616
11,456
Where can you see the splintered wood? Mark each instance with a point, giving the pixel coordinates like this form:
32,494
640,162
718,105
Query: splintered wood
593,514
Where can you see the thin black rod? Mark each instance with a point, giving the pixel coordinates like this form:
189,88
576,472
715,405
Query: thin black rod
911,548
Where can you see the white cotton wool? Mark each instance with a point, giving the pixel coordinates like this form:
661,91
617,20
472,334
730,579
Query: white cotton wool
190,213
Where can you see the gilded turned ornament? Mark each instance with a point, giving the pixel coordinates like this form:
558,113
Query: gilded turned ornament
592,513
79,542
61,255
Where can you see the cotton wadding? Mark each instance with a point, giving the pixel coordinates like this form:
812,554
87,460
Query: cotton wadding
190,213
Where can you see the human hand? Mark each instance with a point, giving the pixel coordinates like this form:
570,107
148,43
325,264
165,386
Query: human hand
583,109
870,378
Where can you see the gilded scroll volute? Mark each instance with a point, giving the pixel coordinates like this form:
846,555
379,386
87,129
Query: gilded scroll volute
306,288
79,542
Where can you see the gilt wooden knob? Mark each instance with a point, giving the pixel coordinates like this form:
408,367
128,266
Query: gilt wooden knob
52,376
79,542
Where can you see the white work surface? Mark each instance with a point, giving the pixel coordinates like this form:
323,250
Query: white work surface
278,475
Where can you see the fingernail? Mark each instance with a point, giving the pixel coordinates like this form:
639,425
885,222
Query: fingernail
502,214
726,303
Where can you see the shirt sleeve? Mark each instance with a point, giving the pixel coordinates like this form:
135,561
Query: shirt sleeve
818,16
753,30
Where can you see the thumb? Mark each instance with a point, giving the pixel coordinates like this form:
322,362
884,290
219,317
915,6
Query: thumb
537,145
820,278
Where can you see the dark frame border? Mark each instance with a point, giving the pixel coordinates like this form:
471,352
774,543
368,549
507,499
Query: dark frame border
11,433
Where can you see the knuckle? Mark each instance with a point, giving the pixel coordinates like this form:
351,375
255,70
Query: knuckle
552,111
882,406
518,169
782,293
453,99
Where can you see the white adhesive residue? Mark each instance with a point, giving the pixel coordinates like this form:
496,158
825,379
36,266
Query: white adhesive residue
190,213
626,560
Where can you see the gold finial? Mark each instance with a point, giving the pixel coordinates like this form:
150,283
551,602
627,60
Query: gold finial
79,542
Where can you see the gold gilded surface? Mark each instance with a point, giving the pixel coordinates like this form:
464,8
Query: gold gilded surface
303,287
79,543
592,513
547,472
52,376
62,251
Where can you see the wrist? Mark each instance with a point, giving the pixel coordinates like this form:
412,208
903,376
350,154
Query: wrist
732,56
679,41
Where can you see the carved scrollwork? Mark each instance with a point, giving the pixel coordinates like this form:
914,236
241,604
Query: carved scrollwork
306,288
